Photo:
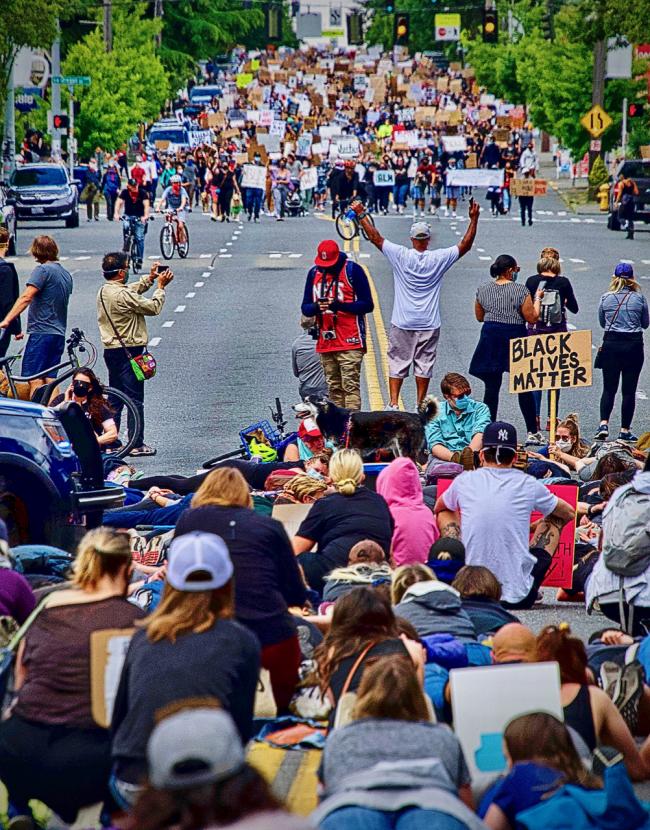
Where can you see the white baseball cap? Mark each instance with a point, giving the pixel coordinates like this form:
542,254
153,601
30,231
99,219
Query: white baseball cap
198,562
420,230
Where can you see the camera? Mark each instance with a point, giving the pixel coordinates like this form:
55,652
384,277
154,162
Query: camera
329,335
314,332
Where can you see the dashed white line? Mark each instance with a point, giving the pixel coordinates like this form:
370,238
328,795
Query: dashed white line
561,213
646,261
153,257
199,284
207,273
205,256
571,327
629,261
154,342
575,220
485,258
364,256
481,250
63,258
168,324
228,244
295,256
589,221
179,309
222,250
79,258
275,256
225,256
190,295
575,259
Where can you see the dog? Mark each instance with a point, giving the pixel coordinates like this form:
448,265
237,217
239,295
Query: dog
374,434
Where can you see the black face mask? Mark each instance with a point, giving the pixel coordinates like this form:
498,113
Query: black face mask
80,388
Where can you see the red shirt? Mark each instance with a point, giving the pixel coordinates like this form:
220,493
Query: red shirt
346,327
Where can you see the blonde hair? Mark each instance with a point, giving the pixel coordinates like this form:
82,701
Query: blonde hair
224,486
578,447
620,283
346,471
183,612
551,253
102,552
305,487
549,263
405,576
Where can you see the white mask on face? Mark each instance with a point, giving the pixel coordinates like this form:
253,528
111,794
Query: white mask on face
563,445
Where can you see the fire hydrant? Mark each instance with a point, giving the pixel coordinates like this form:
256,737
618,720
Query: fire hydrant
603,197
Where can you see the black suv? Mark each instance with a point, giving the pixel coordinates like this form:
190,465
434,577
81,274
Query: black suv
639,171
42,192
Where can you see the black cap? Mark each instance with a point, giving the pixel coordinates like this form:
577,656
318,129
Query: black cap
445,544
131,182
500,434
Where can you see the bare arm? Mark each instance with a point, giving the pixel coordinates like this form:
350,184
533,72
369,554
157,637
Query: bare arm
301,545
563,512
479,311
530,310
496,819
118,209
467,241
20,305
372,233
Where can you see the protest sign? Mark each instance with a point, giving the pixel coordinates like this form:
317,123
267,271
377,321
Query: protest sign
107,654
291,516
243,79
309,178
198,137
161,146
266,118
278,128
551,361
479,177
303,145
528,187
384,178
501,134
486,698
346,146
470,162
560,573
216,119
253,176
454,143
270,142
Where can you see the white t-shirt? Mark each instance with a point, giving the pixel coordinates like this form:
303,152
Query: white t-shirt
495,504
418,276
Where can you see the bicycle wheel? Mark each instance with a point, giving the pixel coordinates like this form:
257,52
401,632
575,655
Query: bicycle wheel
167,241
372,222
223,457
346,228
183,248
129,424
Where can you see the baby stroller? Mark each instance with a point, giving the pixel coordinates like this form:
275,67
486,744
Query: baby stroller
294,205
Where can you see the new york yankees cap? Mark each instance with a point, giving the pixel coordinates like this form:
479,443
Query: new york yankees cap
500,434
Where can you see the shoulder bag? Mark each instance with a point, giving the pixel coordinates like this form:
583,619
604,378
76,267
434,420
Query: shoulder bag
8,654
347,699
598,362
143,365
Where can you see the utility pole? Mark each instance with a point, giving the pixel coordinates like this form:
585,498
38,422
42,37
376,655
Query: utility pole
108,25
9,142
624,128
158,12
71,139
55,94
598,85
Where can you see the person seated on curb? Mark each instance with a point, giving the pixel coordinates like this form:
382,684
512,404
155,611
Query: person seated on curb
492,508
457,433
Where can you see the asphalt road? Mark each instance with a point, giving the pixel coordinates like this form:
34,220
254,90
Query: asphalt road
223,339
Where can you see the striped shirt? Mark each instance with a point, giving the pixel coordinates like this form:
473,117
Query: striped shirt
502,302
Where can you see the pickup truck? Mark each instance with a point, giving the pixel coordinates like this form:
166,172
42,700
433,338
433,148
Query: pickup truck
51,477
639,171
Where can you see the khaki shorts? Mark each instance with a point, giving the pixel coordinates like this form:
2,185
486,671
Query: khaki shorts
407,347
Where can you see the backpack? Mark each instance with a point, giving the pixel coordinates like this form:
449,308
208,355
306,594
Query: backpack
626,532
552,313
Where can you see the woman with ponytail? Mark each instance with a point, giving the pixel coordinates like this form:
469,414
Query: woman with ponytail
504,307
338,521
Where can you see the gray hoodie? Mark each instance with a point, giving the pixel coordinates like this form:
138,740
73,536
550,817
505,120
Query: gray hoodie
435,608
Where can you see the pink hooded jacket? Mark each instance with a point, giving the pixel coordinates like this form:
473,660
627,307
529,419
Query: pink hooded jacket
415,526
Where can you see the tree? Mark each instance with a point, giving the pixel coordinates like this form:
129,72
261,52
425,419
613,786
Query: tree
129,85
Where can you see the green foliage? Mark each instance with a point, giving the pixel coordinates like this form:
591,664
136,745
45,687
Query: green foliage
129,85
598,174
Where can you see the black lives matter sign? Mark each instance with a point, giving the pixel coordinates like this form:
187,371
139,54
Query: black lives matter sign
550,361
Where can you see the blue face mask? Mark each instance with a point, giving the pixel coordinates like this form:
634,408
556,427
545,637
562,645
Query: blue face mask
462,403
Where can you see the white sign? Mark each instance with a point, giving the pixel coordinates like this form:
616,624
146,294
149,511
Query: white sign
485,699
309,178
303,145
448,33
454,143
198,137
619,59
270,142
266,118
345,147
253,176
384,178
479,177
278,128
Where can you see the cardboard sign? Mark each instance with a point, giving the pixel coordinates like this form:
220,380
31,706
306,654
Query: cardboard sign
216,119
291,516
454,143
528,187
501,134
309,179
551,361
161,145
384,178
253,176
485,699
480,177
278,128
470,162
560,574
107,654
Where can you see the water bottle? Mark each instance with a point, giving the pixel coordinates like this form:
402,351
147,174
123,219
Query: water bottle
350,214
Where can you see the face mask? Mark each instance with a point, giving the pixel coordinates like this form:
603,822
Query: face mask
462,403
563,445
514,276
80,388
315,474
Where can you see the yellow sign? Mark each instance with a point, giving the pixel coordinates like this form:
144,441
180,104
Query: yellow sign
243,79
447,20
255,65
550,361
332,33
596,121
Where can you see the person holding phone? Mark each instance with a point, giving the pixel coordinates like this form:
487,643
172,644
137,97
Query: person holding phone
121,313
415,323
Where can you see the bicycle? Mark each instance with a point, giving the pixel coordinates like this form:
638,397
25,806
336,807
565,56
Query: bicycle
348,222
130,245
276,437
170,237
13,386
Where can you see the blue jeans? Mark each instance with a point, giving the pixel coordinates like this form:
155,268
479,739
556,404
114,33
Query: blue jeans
42,352
253,201
412,818
139,229
400,192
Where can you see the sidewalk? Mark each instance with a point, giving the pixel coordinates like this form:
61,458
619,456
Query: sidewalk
573,196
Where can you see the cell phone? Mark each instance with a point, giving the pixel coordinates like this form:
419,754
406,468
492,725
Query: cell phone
161,269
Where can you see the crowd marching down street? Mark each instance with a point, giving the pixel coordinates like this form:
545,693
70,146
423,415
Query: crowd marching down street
334,627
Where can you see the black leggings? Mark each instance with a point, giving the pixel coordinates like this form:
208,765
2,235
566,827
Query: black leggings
622,360
178,484
539,571
492,381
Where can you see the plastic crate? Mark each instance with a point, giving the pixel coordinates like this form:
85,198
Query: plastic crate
270,432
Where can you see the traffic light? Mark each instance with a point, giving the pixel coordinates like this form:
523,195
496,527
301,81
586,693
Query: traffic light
355,29
389,6
635,110
273,22
490,26
401,29
60,122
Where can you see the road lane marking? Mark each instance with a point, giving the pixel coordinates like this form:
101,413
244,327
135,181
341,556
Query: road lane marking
207,273
485,258
168,324
80,258
190,295
225,256
481,250
275,256
154,342
205,256
228,244
295,256
199,284
575,259
179,309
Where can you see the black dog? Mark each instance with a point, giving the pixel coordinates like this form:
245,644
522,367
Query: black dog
399,433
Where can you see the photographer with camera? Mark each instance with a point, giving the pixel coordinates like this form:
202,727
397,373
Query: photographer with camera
338,295
121,313
305,361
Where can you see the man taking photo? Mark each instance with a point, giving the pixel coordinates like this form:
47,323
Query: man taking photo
337,294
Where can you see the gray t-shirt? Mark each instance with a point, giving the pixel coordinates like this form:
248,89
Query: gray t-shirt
48,311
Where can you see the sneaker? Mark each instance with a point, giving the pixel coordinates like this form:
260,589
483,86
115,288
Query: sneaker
392,407
629,694
627,435
453,213
535,438
602,433
610,676
143,450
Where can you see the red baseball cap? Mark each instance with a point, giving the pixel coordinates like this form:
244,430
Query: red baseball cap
328,253
308,429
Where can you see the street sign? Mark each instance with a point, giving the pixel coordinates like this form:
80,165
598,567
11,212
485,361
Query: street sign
27,98
596,145
596,121
71,80
447,26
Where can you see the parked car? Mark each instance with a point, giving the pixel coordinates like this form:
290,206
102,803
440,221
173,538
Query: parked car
169,131
44,191
205,94
639,171
51,475
8,220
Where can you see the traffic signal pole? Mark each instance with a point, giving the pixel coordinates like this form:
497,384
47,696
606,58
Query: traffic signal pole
71,142
624,128
55,95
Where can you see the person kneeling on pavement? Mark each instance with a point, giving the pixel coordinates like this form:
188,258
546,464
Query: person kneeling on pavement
457,433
